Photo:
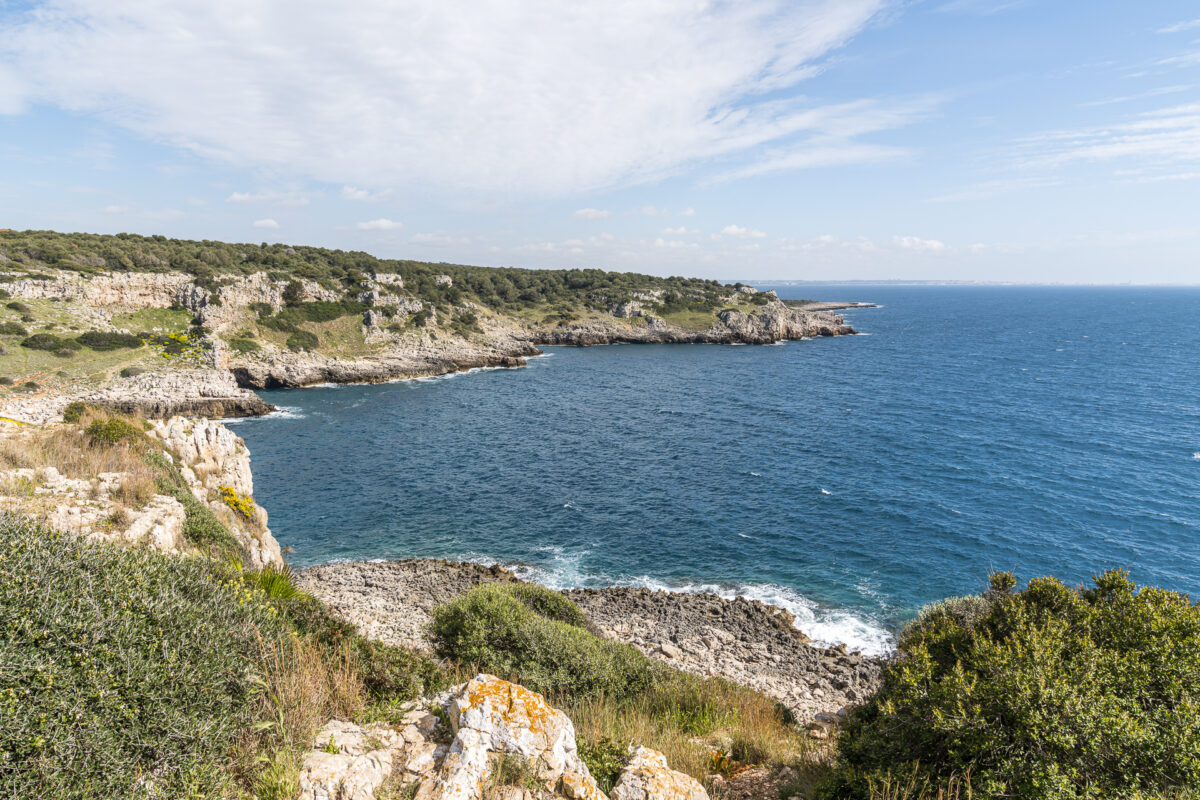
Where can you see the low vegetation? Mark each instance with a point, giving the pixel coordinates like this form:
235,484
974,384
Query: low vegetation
1050,692
613,694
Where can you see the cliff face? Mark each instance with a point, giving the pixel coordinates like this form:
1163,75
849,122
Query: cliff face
122,504
213,460
774,322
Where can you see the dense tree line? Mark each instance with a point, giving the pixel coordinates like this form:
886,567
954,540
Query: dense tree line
210,262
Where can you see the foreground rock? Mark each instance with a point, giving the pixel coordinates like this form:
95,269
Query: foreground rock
489,718
743,640
647,777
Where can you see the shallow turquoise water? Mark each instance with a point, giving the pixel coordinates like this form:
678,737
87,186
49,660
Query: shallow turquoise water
1043,430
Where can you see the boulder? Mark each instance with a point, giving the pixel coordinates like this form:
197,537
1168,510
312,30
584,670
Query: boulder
647,777
493,717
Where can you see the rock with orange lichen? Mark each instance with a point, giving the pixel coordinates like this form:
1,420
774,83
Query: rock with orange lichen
493,717
647,777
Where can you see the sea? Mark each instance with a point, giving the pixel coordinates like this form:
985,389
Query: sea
851,480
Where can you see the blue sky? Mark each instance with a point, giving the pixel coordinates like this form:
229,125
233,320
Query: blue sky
1007,140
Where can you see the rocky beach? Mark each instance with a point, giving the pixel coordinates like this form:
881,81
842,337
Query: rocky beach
746,641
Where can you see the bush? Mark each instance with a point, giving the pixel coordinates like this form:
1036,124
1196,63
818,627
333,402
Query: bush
123,672
1050,692
28,386
302,340
12,329
74,412
605,760
114,430
48,341
129,372
6,381
501,628
108,340
244,346
19,307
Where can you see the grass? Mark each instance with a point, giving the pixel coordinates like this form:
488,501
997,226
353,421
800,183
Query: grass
155,320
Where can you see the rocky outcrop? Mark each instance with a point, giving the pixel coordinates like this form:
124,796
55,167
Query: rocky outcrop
647,777
743,640
91,508
125,291
489,718
771,322
290,370
213,460
186,392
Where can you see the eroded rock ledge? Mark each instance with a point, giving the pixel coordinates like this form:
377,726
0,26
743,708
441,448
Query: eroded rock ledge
743,640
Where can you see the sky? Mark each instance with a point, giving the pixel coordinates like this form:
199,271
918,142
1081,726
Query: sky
985,140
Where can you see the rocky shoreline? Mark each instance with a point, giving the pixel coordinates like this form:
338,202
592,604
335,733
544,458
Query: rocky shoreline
746,641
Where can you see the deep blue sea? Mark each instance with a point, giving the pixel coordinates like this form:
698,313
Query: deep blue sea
1035,429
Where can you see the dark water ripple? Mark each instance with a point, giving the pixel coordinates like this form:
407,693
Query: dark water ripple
1044,430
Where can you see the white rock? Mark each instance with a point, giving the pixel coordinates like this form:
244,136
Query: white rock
647,777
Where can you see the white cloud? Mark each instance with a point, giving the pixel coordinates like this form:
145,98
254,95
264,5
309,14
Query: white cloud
652,211
440,239
918,244
682,230
379,225
365,196
674,244
266,223
510,98
115,209
277,198
1179,27
688,212
740,232
592,213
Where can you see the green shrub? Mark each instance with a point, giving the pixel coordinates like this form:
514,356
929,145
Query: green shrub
244,346
113,431
129,372
108,340
48,341
261,309
419,319
302,340
19,307
605,760
12,329
123,672
6,381
74,411
499,628
1051,692
28,386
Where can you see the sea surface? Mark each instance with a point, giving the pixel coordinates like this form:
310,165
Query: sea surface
971,429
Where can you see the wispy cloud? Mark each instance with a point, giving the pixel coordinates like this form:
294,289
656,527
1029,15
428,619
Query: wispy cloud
623,97
983,8
381,224
364,195
268,224
994,188
741,232
1179,27
591,213
1158,139
918,244
275,198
